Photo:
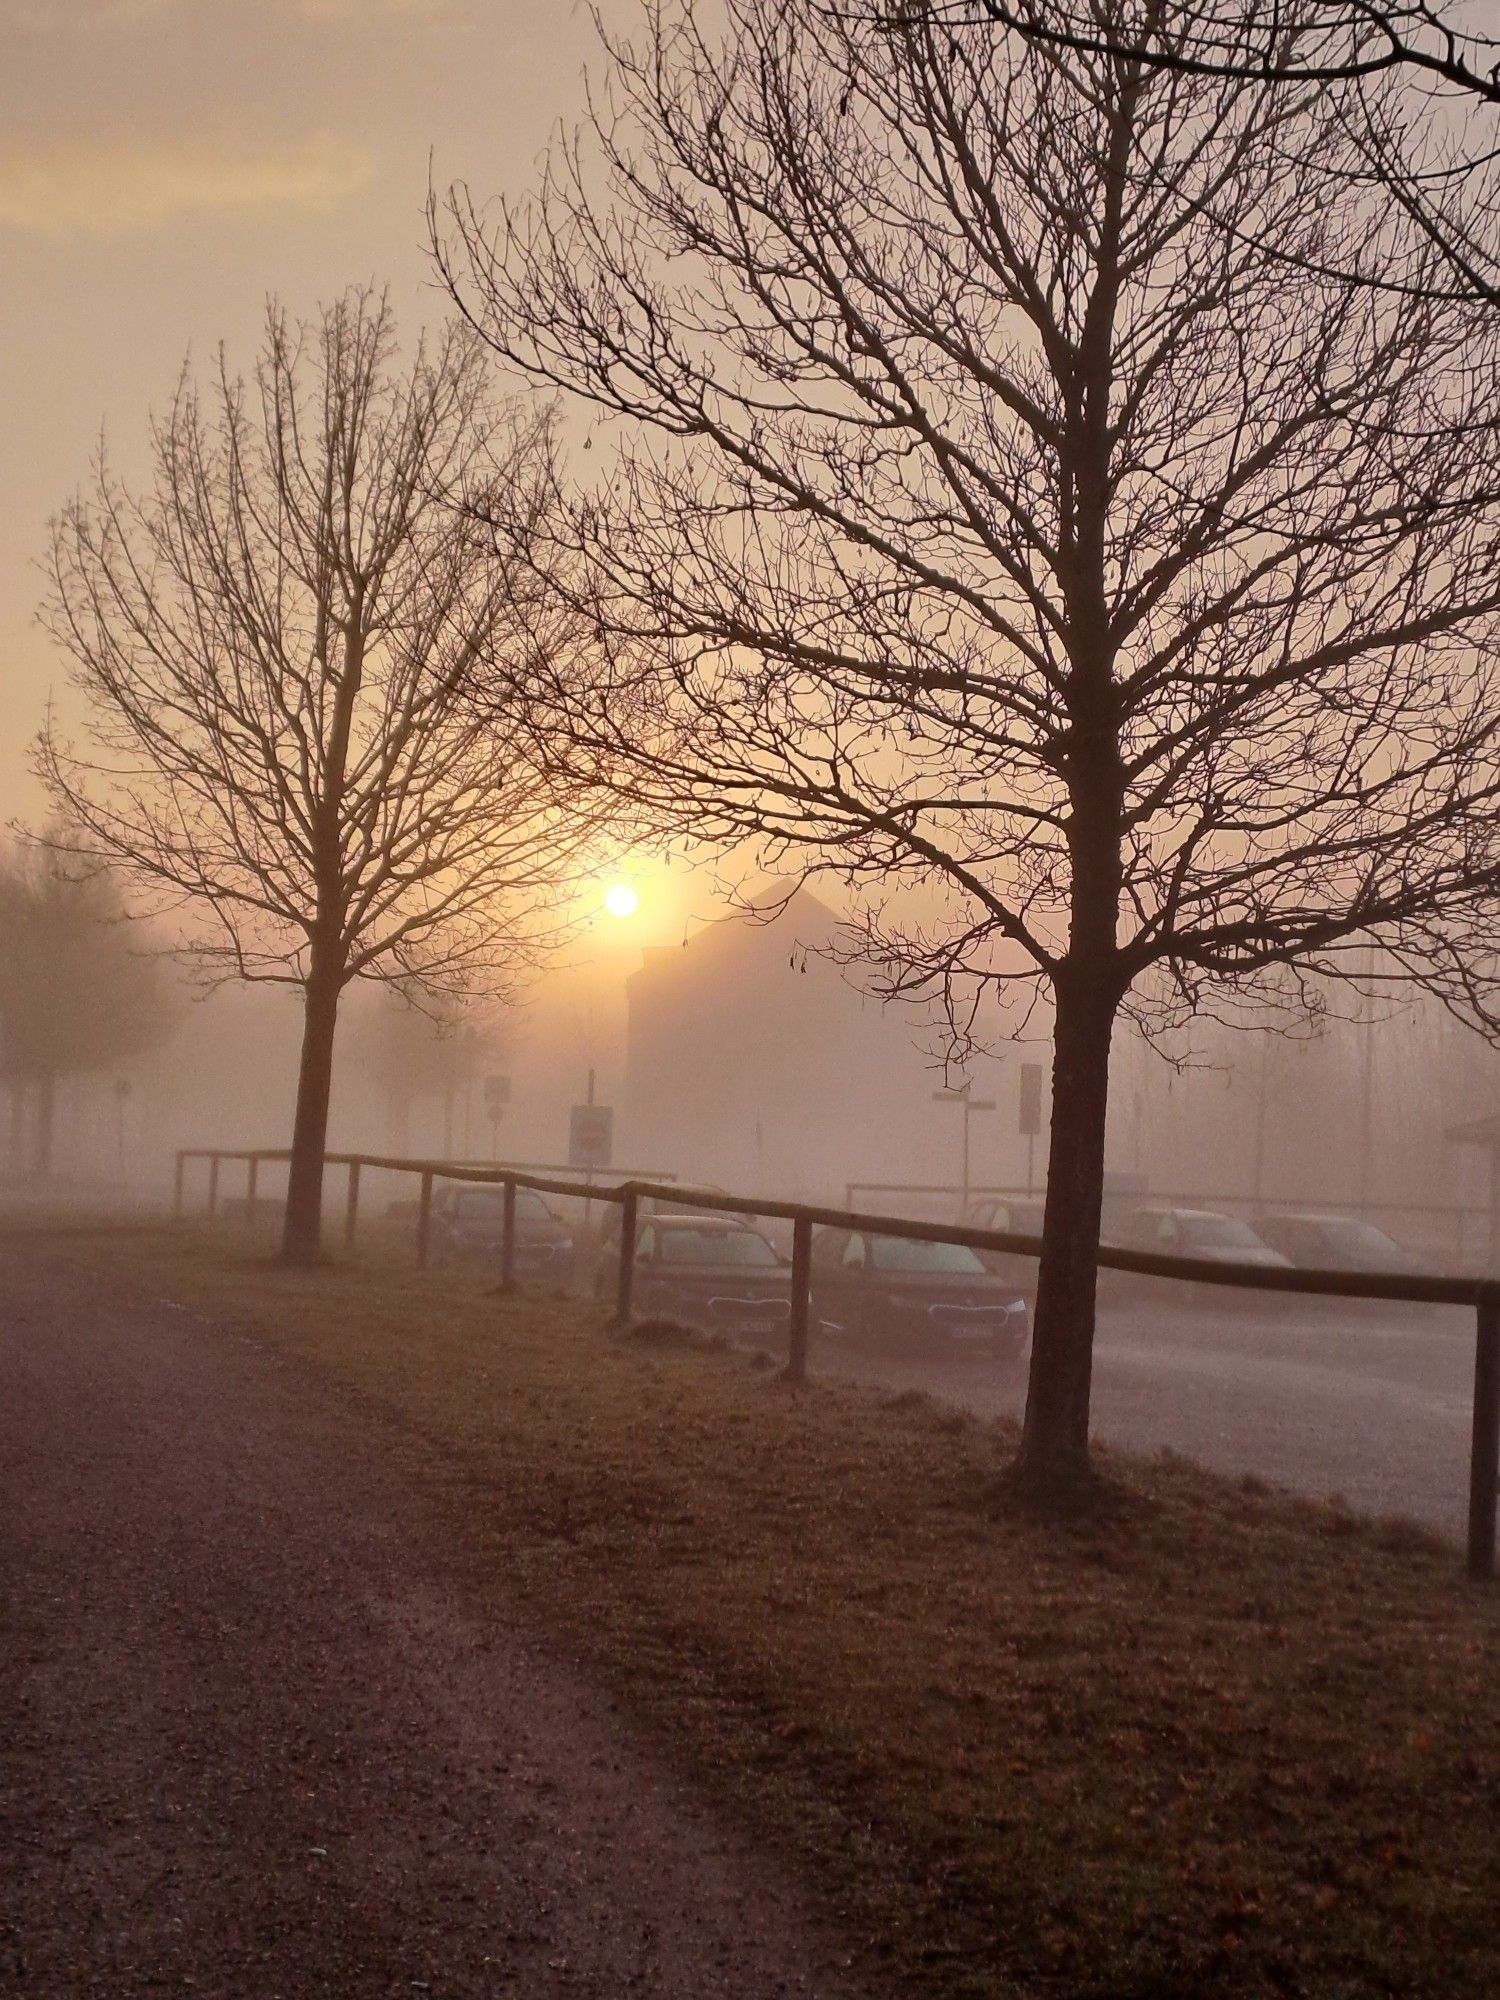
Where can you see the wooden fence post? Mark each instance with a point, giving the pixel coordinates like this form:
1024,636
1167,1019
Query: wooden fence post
424,1219
177,1178
625,1290
1484,1459
508,1237
213,1185
351,1210
796,1359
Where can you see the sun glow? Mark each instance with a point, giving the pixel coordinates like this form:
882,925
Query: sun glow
621,900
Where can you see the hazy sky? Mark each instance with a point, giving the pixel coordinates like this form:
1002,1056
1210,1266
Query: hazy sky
165,164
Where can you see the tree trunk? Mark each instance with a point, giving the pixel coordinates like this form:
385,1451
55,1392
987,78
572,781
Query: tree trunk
302,1227
46,1118
1054,1457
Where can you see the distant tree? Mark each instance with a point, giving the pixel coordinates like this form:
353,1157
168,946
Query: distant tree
419,1049
78,989
275,649
984,517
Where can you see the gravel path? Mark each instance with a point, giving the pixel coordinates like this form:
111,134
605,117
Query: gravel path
261,1735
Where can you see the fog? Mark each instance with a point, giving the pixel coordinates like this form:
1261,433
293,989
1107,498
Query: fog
742,1056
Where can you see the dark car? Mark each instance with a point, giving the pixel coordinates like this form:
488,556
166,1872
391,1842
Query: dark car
1335,1243
712,1271
1013,1218
892,1290
470,1222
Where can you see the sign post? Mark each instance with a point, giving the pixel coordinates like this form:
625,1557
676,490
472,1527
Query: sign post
970,1104
496,1097
1031,1116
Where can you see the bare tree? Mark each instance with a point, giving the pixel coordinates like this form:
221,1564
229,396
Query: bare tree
78,991
275,648
1415,86
981,523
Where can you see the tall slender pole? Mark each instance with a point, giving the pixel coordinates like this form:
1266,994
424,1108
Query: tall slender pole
625,1289
351,1211
1484,1456
796,1359
508,1237
213,1185
424,1218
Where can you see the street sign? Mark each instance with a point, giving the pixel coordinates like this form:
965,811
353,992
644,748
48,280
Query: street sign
1031,1100
496,1094
591,1135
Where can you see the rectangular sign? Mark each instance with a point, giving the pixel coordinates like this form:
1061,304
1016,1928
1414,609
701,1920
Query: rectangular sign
591,1135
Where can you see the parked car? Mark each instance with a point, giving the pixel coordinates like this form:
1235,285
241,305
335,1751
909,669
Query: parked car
712,1271
936,1296
1335,1243
1196,1232
1016,1218
470,1222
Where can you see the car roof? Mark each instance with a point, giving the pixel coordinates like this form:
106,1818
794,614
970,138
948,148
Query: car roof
1193,1214
695,1221
1321,1218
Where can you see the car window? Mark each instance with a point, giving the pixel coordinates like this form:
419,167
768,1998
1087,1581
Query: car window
681,1243
828,1245
854,1254
531,1207
645,1241
1350,1238
898,1253
479,1204
1219,1232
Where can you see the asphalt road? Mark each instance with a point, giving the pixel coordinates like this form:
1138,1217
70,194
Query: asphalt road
1368,1402
265,1732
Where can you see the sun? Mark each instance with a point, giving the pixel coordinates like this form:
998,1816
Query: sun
621,900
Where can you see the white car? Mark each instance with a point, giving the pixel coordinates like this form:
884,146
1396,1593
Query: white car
1198,1232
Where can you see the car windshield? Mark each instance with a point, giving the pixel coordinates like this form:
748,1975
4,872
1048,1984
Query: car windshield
1219,1232
900,1253
486,1204
1343,1236
685,1245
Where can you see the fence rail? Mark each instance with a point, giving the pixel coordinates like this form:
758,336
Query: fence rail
1482,1295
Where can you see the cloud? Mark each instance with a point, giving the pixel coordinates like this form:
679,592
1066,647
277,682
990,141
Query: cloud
53,16
95,190
43,17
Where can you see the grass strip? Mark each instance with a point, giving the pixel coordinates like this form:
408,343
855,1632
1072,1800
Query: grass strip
1206,1739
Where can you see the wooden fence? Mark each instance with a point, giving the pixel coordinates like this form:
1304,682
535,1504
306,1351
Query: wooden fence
1480,1294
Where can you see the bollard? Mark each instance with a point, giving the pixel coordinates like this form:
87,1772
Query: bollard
213,1185
177,1184
625,1293
351,1210
1484,1458
796,1360
508,1237
424,1219
252,1176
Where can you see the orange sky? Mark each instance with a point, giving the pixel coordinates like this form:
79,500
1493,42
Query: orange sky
164,164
